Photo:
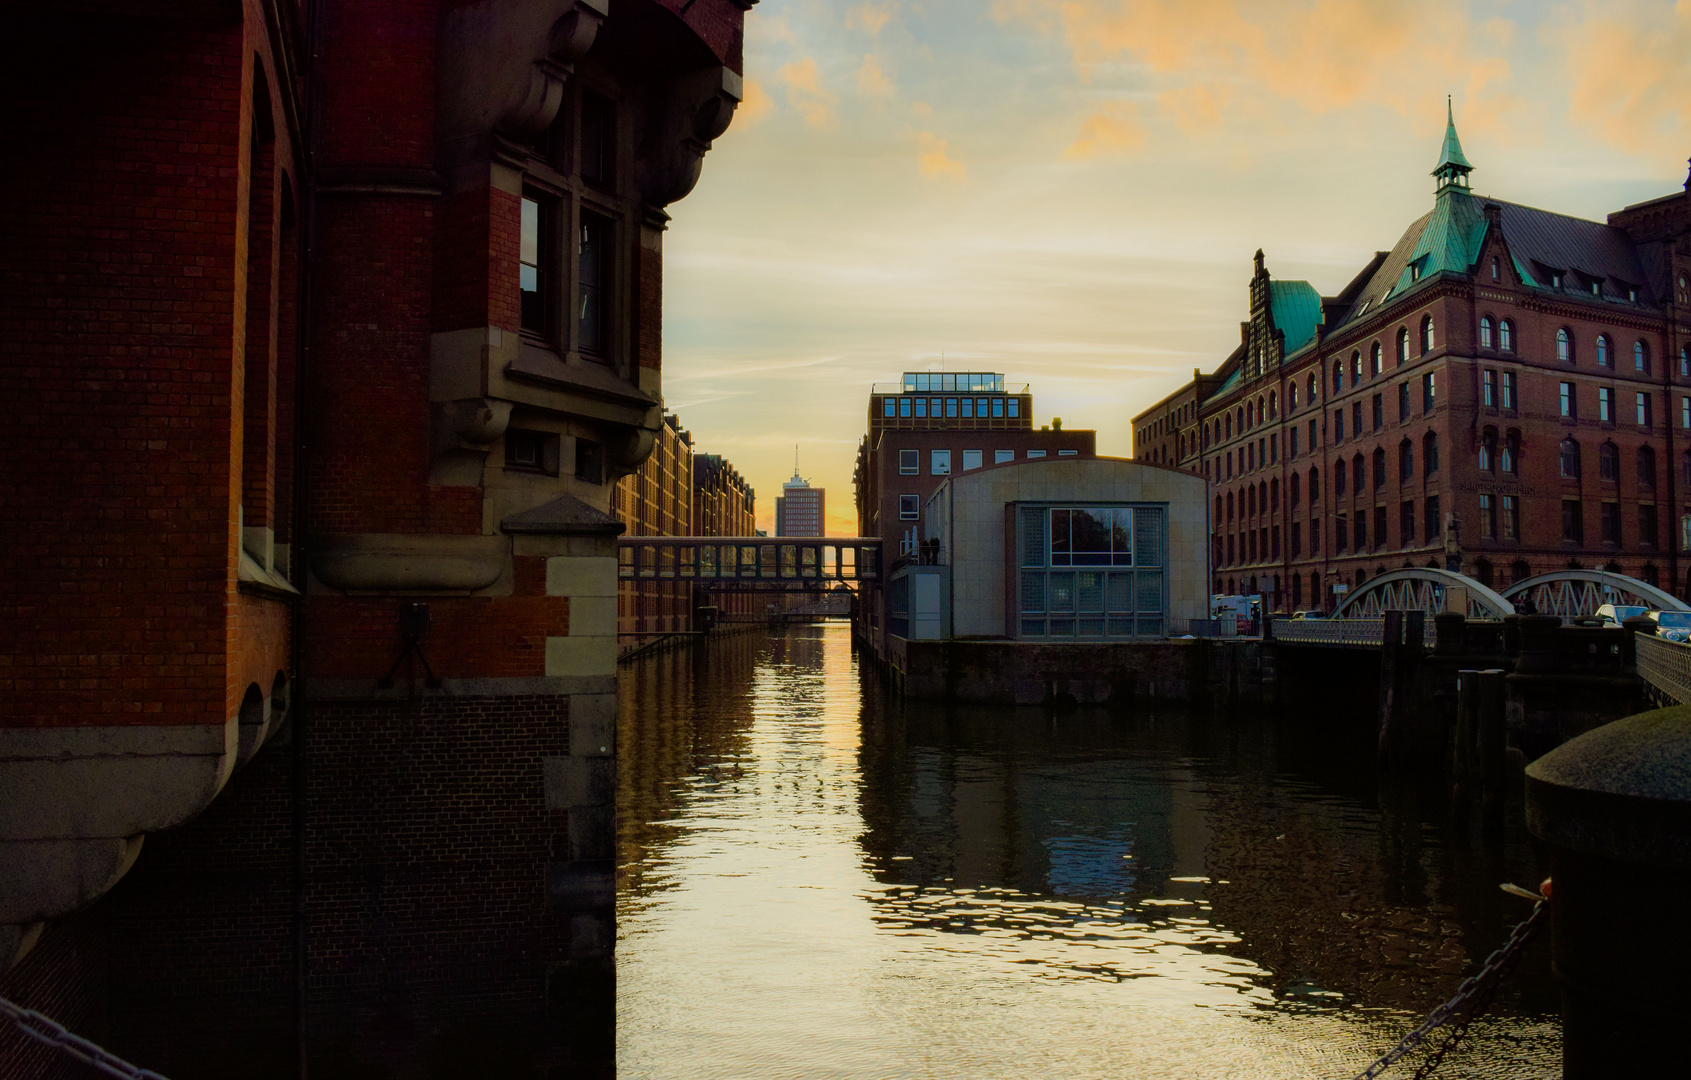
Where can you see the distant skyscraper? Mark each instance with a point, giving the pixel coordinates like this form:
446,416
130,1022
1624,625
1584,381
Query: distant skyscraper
799,507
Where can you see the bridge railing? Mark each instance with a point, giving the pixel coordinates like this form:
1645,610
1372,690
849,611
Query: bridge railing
1341,633
748,559
1666,666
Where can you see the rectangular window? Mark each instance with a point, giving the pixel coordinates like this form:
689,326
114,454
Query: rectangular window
1338,480
1646,526
1356,418
1068,453
971,460
1402,401
1015,406
1429,392
1573,522
1338,425
1488,388
1341,538
1274,542
1508,395
951,407
1313,441
1511,517
968,408
909,507
1565,396
939,463
998,408
1292,442
1612,523
1406,523
904,408
1488,517
1685,412
1297,539
1431,522
533,280
1314,537
593,280
909,462
598,139
531,451
1379,411
1379,526
981,407
589,461
889,407
1273,449
1645,414
1605,405
999,457
1362,530
922,407
1036,453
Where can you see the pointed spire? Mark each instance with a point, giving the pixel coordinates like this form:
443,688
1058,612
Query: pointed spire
1453,168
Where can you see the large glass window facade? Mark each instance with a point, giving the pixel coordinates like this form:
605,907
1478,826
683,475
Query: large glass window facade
1091,572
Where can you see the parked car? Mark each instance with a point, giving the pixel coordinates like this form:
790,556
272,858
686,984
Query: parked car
1615,614
1673,625
1309,615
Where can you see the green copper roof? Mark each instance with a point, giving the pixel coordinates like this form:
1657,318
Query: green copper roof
1451,156
1295,307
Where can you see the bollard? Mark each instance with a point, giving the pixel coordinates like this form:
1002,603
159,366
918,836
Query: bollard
1493,733
1391,652
1452,627
1613,808
1463,769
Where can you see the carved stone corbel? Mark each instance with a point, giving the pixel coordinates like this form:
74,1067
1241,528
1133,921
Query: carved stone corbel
464,434
695,111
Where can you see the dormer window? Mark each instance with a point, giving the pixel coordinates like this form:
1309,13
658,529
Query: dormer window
1496,271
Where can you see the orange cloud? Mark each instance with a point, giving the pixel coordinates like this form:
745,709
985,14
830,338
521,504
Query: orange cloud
871,80
1631,79
871,16
1114,129
805,93
756,105
935,160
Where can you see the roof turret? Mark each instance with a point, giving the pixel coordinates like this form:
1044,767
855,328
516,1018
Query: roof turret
1453,169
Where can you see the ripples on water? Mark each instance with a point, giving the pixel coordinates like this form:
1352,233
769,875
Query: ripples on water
820,882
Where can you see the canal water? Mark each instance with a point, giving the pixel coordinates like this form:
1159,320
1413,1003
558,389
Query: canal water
818,880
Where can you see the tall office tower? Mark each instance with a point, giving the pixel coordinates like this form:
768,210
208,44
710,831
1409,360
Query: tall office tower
799,508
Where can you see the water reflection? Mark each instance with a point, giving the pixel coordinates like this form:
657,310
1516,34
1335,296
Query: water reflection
820,882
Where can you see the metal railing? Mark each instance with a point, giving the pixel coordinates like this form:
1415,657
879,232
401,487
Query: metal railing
1341,633
1666,666
749,560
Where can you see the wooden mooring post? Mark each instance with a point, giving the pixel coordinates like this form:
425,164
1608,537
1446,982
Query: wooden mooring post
1401,650
1479,751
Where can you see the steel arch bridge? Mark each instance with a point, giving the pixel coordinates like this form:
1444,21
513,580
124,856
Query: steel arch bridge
1420,589
1572,593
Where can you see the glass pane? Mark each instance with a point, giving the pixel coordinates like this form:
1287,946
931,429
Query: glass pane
1061,594
1121,592
1060,549
1033,627
1121,627
1150,598
1148,536
1032,535
1121,538
1091,628
530,278
1090,536
1150,628
530,242
1089,592
1033,591
1062,627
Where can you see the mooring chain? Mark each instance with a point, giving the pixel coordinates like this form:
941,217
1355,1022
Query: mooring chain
1475,991
44,1029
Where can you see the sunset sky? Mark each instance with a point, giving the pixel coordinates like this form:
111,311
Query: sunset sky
1070,191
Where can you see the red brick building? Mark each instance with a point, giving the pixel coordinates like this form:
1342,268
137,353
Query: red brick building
329,328
1507,390
923,429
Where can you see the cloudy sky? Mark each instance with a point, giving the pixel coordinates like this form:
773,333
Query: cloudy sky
1070,191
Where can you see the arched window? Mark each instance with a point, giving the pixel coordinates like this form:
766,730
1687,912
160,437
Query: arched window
1250,415
1519,571
1314,485
1482,572
1374,358
1429,454
1609,462
1355,369
1338,376
1379,468
1570,459
1564,346
1273,404
1239,419
1510,460
1685,359
1230,507
1650,575
1426,335
1496,272
1262,417
1315,589
1605,356
1640,356
1646,466
1685,467
1485,332
1488,449
1228,422
1339,479
1218,516
1294,491
1313,392
1274,493
1292,397
1405,461
1506,336
1359,472
1251,501
1403,346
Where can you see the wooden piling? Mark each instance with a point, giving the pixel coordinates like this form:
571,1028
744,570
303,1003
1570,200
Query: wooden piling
1493,746
1391,655
1464,771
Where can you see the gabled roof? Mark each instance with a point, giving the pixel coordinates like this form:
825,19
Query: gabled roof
1449,238
1295,307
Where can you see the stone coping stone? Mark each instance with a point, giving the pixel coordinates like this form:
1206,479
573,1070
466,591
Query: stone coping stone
1622,791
